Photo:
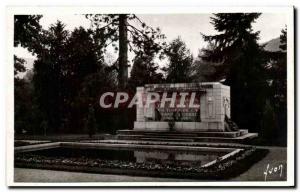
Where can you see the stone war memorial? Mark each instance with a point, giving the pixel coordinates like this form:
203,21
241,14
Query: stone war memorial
186,112
150,97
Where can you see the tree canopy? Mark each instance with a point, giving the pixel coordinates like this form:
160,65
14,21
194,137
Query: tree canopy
61,92
242,65
131,33
180,59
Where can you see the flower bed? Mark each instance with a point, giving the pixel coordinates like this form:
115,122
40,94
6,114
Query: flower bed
223,169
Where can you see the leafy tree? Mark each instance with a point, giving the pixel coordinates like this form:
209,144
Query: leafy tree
269,123
144,71
130,33
18,66
279,71
180,59
69,74
205,70
277,78
84,54
243,65
26,32
23,106
84,57
48,76
90,89
126,32
64,70
283,39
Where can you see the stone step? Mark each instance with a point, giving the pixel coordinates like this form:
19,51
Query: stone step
244,131
180,134
138,137
165,135
240,139
133,132
166,139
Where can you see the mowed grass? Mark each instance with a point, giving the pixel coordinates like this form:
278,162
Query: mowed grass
277,156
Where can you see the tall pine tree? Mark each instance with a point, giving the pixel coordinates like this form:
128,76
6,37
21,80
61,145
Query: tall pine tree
243,65
131,34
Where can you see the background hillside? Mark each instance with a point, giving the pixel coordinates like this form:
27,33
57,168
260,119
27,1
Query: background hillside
273,45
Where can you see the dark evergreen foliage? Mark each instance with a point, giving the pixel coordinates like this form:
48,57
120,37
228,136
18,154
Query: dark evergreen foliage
178,69
26,33
91,125
243,66
26,30
70,73
277,78
144,71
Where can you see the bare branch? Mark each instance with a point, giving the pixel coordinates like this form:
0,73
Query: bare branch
138,19
106,25
109,43
131,48
141,32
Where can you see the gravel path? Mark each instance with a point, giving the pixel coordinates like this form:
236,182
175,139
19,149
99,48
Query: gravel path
36,175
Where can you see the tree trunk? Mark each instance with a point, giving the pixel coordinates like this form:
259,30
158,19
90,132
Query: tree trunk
123,57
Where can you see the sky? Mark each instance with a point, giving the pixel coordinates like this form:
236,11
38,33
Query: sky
188,26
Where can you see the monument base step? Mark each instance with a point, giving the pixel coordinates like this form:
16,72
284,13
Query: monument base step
166,139
232,134
241,139
239,136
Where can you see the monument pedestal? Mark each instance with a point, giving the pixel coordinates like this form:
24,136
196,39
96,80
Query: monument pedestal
205,123
179,126
213,100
